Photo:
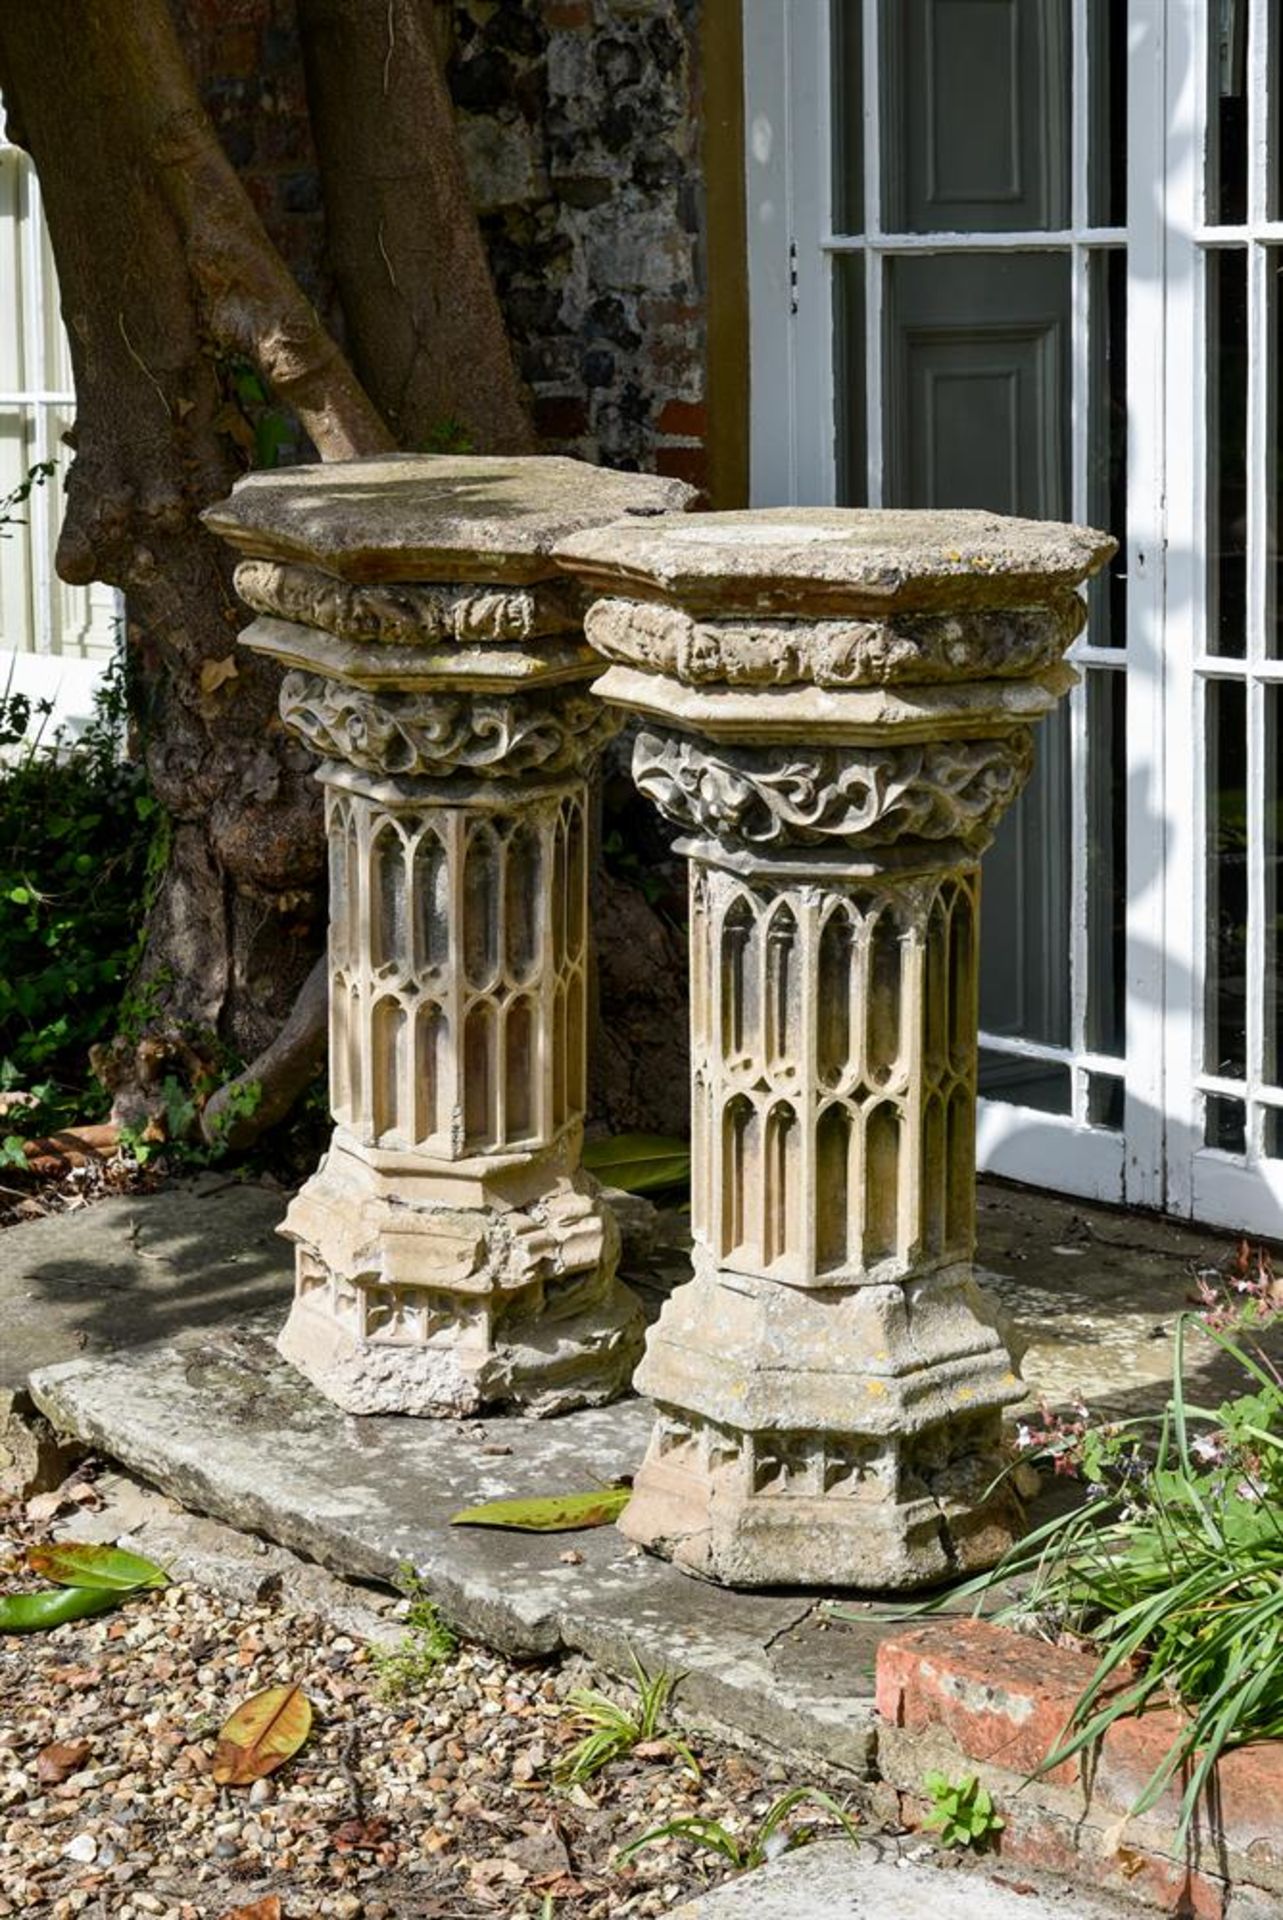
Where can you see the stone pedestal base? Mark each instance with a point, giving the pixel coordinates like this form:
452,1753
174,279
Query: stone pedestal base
822,1438
426,1307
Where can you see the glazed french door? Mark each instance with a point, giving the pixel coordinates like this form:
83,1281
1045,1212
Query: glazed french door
1025,255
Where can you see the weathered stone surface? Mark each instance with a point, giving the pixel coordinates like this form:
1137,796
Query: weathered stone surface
218,1422
435,517
822,561
865,716
903,650
435,735
137,1267
409,614
450,1254
33,1458
762,796
877,1881
424,666
830,1385
407,1306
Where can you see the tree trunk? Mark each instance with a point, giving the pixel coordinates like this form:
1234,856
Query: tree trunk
167,280
424,325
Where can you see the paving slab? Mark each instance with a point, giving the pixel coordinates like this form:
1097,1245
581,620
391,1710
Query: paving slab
137,1268
834,1881
149,1321
217,1421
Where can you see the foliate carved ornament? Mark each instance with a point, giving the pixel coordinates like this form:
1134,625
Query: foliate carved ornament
407,613
434,735
902,648
768,796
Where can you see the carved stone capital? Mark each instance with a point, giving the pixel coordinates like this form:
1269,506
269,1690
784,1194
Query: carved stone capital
809,796
401,613
433,736
899,649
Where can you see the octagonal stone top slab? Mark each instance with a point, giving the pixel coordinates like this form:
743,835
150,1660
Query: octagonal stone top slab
824,560
432,517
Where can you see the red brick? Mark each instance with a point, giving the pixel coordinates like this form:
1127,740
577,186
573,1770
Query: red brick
683,463
686,418
1005,1698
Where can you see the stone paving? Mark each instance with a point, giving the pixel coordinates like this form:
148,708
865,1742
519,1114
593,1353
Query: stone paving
150,1322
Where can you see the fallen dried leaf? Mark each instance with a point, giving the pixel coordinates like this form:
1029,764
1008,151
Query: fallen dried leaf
264,1732
268,1908
360,1836
43,1506
59,1760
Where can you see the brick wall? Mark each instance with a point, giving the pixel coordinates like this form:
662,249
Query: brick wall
580,127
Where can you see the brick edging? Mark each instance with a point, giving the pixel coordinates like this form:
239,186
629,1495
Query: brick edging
966,1697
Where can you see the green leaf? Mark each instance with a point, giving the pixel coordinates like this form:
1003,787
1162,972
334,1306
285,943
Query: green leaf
52,1607
550,1513
75,1563
639,1162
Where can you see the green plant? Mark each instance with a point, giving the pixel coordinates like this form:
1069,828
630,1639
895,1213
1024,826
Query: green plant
640,1162
413,1663
76,822
962,1812
765,1841
615,1728
1172,1570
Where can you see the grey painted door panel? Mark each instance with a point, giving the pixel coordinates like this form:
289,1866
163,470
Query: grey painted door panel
975,115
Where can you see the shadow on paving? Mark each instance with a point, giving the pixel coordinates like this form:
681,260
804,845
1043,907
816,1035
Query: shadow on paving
189,1285
138,1268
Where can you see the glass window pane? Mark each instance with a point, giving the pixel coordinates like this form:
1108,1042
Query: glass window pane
1227,464
1042,1084
1274,163
1106,858
975,115
1105,1101
1273,364
1107,147
1227,151
849,357
1272,1142
977,371
848,116
1107,447
1225,988
1025,925
1225,1124
1273,845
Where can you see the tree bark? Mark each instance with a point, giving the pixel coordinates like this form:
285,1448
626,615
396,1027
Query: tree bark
424,324
166,278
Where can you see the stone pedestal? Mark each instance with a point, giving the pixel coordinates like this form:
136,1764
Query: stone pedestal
451,1252
837,707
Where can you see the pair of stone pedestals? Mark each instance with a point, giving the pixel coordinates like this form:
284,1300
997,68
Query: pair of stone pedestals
836,707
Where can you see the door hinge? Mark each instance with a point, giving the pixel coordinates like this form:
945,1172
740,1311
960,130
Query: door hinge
792,276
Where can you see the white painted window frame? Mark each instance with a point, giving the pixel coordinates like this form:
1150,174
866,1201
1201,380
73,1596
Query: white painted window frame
1159,1160
793,449
69,631
1244,1191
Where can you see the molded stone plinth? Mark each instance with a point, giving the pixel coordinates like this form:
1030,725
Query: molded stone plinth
451,1252
837,707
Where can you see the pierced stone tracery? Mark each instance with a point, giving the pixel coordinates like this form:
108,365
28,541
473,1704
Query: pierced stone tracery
836,707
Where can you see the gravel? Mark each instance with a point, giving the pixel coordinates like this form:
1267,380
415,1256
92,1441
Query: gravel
438,1806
